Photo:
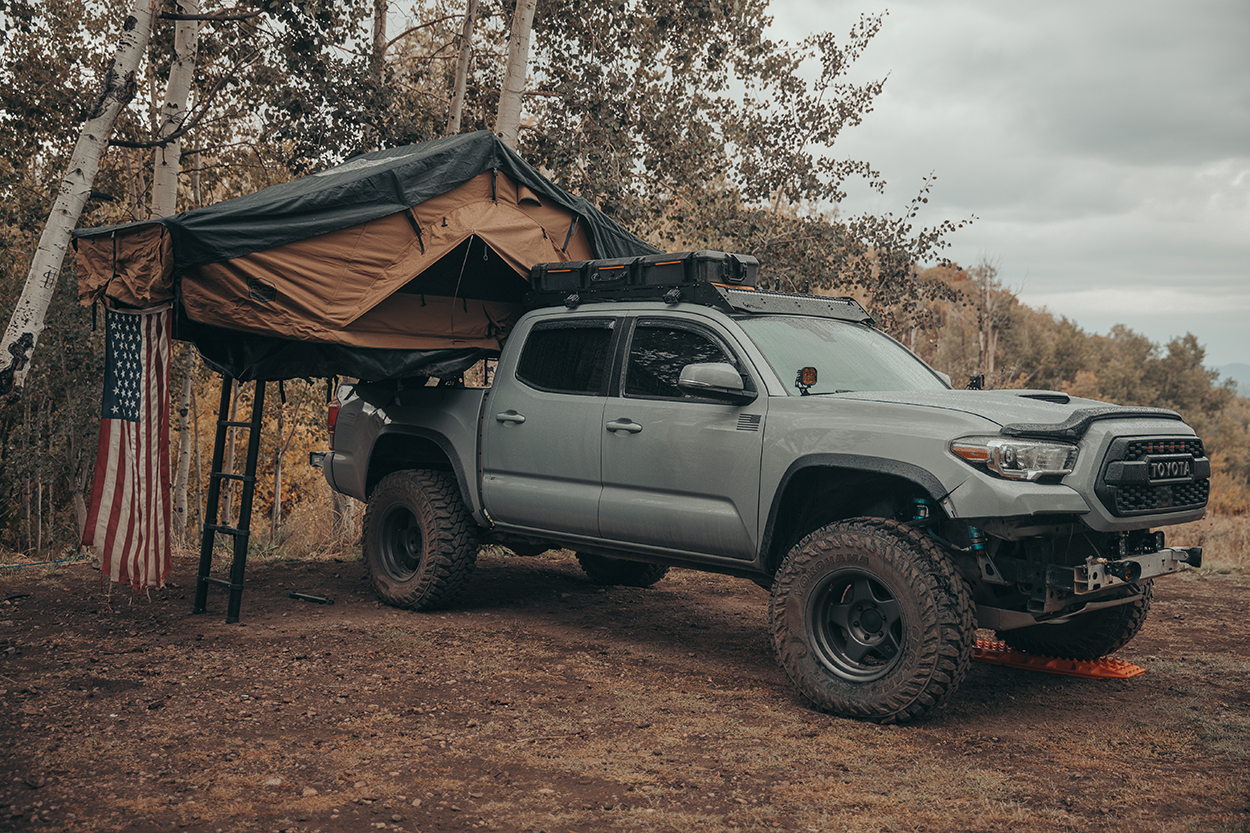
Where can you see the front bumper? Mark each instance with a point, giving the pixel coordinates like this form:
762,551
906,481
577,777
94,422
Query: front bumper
1098,583
1098,574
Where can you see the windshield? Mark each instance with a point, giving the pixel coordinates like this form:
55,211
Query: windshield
847,356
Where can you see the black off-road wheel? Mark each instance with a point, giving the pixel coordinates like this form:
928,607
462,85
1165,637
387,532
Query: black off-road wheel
420,544
1088,636
870,620
618,571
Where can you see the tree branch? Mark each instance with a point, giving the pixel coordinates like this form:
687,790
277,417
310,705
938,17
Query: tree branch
193,120
220,17
412,29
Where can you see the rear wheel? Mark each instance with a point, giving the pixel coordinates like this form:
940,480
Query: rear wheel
420,544
1088,636
870,620
609,571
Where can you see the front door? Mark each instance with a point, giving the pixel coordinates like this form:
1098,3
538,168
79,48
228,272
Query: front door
679,471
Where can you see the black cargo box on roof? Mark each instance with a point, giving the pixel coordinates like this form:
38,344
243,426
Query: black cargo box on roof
672,269
714,279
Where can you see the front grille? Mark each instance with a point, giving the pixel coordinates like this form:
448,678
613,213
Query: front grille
1137,449
1133,494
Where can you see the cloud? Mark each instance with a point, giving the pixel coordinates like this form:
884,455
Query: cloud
1148,301
1103,148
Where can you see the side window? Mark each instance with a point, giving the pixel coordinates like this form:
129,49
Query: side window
657,354
567,357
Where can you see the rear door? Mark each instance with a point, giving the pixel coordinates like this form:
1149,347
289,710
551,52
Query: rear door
680,471
543,429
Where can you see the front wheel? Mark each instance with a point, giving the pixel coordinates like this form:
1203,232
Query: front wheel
1087,636
420,544
870,620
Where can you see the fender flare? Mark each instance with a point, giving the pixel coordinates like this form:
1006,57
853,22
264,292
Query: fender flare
444,445
922,478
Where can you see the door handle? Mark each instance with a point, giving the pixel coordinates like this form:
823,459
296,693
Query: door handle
624,424
509,416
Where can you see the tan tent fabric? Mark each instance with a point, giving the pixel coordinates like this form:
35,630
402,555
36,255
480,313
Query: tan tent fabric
405,261
344,287
131,267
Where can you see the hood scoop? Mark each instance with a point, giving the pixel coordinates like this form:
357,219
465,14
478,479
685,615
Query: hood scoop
1054,396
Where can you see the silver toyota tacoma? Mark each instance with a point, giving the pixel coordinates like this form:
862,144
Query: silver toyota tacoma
784,439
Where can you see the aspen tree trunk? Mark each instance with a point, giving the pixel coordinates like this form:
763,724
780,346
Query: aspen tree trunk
462,68
27,322
166,158
199,465
166,163
227,466
76,472
379,38
184,446
508,119
187,433
38,517
275,515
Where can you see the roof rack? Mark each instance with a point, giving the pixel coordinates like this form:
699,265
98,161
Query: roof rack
714,279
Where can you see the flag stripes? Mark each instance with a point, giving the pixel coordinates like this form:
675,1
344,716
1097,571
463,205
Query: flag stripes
129,519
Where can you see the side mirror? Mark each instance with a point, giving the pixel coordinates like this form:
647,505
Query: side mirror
715,380
945,377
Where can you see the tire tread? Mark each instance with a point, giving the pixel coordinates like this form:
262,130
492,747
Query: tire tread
451,543
944,661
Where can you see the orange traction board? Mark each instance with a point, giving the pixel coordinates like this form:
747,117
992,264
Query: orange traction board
998,653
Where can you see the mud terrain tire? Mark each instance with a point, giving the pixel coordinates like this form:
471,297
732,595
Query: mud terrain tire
1090,636
870,620
618,571
420,545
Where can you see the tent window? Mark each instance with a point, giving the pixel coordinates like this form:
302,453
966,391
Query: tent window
472,270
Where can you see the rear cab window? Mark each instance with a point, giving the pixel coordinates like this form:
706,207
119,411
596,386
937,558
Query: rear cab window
570,357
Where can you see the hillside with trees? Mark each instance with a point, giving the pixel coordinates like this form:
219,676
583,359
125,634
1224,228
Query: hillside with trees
683,121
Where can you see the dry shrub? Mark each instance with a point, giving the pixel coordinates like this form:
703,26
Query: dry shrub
1225,540
1230,495
311,528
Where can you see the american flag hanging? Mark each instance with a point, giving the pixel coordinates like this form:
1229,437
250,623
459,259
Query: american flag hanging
129,519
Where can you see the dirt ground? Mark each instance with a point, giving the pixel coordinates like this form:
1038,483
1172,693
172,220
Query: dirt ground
541,702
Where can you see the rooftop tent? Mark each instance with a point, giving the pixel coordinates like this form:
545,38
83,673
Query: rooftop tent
403,261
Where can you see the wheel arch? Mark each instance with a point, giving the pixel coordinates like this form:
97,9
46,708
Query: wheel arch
404,447
820,489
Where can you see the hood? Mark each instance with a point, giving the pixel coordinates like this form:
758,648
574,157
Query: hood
1032,413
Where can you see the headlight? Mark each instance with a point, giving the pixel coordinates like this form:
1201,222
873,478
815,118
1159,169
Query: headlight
1016,459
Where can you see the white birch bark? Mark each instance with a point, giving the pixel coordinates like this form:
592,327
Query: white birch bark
508,119
462,68
27,322
166,158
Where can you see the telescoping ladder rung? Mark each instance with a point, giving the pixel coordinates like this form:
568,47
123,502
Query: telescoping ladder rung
243,478
242,531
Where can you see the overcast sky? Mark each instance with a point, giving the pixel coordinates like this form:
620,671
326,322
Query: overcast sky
1103,146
